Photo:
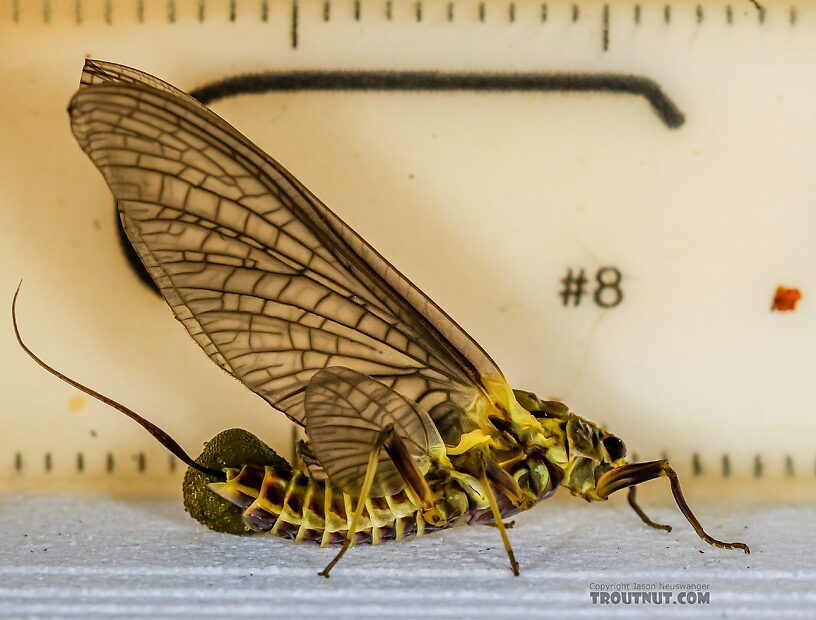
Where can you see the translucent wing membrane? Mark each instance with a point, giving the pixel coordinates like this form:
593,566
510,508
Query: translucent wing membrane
269,282
100,72
345,414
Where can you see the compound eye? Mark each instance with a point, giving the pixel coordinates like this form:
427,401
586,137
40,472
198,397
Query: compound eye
614,447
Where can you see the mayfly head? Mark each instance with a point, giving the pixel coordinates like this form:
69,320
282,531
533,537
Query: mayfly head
595,466
593,452
585,450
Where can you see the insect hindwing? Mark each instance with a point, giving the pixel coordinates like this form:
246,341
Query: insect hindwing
345,414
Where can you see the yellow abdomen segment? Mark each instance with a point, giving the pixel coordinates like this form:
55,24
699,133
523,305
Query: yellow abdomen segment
292,505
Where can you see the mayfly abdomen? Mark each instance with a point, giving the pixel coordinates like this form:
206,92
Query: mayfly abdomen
292,505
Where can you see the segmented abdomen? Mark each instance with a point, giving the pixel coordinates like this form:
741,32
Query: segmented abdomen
292,505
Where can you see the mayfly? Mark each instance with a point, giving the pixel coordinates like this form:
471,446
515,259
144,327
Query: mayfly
411,425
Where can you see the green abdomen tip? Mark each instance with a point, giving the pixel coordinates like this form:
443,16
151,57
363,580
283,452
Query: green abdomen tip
231,448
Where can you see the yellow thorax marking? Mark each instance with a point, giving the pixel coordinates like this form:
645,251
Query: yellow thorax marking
504,403
497,401
468,441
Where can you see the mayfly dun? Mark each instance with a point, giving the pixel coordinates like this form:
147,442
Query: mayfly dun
411,426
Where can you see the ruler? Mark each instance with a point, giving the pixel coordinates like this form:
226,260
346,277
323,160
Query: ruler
607,196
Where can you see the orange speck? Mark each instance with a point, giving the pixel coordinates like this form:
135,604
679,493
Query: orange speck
76,403
786,299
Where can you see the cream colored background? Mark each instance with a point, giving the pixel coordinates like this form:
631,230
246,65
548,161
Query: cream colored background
484,200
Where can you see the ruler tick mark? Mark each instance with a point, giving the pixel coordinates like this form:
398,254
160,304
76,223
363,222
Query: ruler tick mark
605,27
326,10
729,14
450,11
80,462
637,14
140,11
726,466
264,11
511,12
233,10
294,24
417,11
108,12
481,12
18,462
202,10
789,471
78,11
576,13
356,10
667,14
171,11
15,11
48,462
792,16
699,13
696,466
46,11
758,467
543,12
761,14
109,463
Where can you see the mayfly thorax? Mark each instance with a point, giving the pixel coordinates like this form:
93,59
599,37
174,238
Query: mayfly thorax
411,426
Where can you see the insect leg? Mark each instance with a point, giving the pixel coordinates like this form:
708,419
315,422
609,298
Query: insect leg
505,483
494,506
627,476
412,476
684,508
371,470
643,516
508,525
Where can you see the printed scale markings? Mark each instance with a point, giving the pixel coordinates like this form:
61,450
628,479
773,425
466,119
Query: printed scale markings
262,13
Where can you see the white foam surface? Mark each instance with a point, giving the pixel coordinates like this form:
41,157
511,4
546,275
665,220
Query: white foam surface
100,557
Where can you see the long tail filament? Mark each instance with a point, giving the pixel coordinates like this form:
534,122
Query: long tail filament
163,438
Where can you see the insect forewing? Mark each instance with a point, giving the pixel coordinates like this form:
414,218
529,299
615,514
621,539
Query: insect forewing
269,282
346,412
100,72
